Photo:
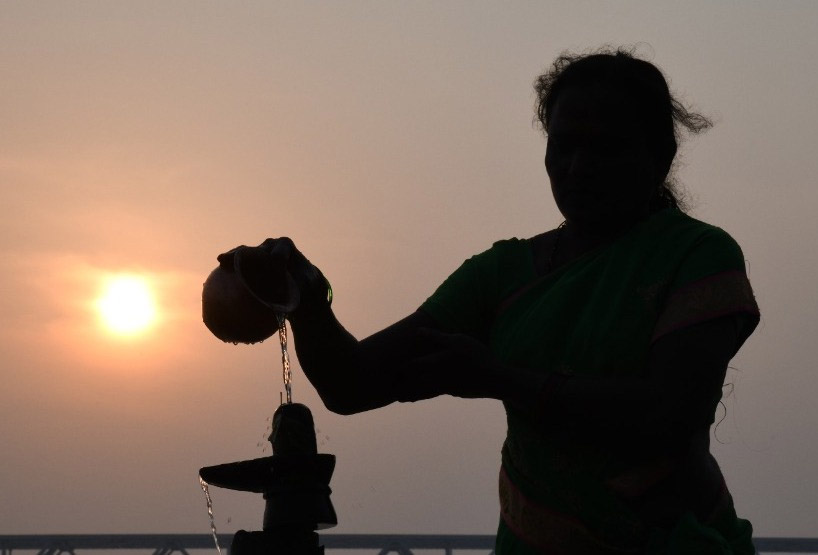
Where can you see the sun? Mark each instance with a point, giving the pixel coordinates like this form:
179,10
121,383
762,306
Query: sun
126,305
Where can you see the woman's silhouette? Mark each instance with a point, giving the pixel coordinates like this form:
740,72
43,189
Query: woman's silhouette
607,338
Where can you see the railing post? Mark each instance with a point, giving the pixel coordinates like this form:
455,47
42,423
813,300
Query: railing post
397,548
57,549
170,548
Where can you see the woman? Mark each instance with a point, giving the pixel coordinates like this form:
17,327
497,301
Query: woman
607,338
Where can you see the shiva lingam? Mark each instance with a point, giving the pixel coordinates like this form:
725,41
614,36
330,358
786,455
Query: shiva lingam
240,306
295,485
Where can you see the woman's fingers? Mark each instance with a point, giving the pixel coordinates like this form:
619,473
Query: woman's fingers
438,371
284,251
436,338
281,248
440,340
226,258
450,364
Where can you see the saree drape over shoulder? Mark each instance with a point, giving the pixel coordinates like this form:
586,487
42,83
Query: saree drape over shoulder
596,317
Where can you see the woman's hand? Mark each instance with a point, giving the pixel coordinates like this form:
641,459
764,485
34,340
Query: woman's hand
268,267
272,256
450,364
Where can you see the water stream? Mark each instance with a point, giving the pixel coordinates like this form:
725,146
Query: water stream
210,514
285,357
287,374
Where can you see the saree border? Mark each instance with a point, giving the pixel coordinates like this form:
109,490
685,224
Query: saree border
546,530
705,299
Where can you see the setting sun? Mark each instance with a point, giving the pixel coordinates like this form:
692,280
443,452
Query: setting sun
126,305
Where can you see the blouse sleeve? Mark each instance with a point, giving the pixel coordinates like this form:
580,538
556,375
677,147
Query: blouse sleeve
710,283
466,301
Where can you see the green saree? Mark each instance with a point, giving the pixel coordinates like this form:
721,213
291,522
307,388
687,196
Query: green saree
596,317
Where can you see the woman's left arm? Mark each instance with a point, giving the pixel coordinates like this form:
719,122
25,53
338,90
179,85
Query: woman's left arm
679,393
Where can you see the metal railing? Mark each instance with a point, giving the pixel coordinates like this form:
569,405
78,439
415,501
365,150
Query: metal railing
402,544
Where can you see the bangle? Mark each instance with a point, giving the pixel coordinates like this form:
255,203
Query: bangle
329,290
313,293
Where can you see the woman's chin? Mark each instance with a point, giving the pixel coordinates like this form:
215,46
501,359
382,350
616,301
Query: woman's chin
600,221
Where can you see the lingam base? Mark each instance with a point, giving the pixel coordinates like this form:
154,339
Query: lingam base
288,540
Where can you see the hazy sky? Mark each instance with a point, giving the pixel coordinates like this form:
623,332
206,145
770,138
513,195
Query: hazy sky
391,141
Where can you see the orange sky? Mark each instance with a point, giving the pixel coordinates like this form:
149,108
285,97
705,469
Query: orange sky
391,141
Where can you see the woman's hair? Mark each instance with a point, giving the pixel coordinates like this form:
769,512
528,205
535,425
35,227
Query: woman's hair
644,90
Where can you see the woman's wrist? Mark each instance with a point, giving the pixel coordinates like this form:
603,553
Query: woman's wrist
314,289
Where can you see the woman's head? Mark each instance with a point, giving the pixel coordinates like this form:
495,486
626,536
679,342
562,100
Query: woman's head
612,127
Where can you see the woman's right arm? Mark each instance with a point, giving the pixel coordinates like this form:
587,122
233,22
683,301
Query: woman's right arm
350,376
353,376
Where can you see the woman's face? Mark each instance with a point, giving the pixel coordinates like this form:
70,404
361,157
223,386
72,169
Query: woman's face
602,173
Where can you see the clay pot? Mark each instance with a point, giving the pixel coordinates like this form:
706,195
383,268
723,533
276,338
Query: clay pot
242,297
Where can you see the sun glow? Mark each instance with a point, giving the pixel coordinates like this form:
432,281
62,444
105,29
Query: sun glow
127,306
